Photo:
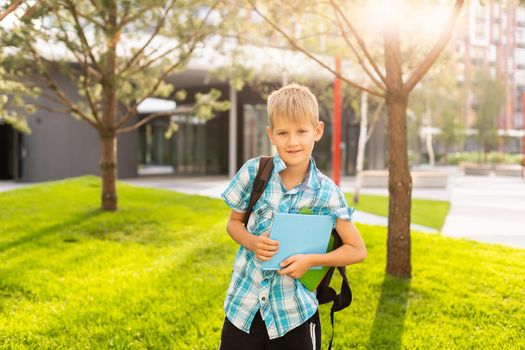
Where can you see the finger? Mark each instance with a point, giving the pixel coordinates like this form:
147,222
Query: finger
288,261
266,254
284,271
269,241
269,247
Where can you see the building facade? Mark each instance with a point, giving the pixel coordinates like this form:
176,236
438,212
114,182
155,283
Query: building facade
61,147
493,36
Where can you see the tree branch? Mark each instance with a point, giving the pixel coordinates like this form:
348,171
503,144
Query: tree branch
68,41
379,84
304,51
436,50
152,117
90,19
14,5
51,109
59,92
153,60
133,109
84,63
153,35
375,119
125,20
82,36
360,42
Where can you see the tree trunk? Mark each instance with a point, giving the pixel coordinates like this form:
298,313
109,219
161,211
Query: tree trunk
361,145
108,164
399,179
399,188
428,138
108,167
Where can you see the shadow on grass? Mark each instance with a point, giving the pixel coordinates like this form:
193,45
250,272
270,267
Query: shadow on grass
389,319
51,229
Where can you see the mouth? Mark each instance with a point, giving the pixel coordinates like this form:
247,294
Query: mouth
294,152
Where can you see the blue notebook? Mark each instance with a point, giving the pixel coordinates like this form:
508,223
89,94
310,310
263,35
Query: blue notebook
298,234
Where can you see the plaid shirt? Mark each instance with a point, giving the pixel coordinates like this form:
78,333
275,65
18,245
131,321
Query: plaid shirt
284,302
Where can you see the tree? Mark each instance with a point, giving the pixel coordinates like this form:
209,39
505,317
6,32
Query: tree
117,53
435,102
489,98
365,132
13,108
391,83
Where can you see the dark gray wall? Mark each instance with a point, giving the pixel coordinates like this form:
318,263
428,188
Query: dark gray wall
61,146
377,147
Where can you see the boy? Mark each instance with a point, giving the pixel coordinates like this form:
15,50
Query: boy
269,309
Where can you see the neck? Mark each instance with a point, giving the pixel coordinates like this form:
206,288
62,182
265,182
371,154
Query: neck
295,173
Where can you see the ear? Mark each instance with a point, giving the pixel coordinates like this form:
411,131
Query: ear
318,131
270,135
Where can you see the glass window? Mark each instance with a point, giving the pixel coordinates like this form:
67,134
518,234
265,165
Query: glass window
495,32
520,77
256,141
520,14
520,56
520,35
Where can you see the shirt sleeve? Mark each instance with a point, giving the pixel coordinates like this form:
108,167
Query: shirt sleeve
237,194
339,209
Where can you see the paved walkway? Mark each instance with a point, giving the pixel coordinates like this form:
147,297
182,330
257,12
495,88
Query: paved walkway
484,208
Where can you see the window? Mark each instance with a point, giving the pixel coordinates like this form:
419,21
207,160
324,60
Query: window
255,139
495,32
520,14
492,53
520,77
520,56
520,35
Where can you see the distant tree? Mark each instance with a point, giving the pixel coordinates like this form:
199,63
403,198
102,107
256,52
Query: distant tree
117,53
489,98
435,102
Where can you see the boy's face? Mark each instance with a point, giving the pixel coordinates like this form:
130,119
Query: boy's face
294,141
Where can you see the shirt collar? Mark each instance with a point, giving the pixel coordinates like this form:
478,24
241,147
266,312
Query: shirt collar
313,179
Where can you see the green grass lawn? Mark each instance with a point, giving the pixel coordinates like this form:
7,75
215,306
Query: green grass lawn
431,213
154,275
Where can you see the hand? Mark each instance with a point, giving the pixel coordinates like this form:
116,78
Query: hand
264,247
296,265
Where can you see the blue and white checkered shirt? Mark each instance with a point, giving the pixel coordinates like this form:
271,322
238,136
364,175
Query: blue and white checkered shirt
284,302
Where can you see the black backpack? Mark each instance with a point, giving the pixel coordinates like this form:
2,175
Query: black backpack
325,293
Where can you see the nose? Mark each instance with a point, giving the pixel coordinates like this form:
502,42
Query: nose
294,139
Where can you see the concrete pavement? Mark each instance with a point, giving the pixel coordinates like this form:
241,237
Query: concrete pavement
483,208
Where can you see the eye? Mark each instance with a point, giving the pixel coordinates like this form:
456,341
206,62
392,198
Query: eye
282,133
303,131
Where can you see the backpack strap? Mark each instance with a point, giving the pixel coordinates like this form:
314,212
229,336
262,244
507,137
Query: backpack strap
259,184
326,294
341,301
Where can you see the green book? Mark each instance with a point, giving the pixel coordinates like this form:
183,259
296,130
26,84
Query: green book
312,278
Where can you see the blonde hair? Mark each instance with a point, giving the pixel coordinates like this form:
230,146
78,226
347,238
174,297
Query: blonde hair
294,102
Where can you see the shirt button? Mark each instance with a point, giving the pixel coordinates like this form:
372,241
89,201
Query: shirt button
263,298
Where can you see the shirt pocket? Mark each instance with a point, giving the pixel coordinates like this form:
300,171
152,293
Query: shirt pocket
261,217
315,210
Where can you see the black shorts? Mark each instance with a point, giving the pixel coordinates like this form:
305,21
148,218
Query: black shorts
305,337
